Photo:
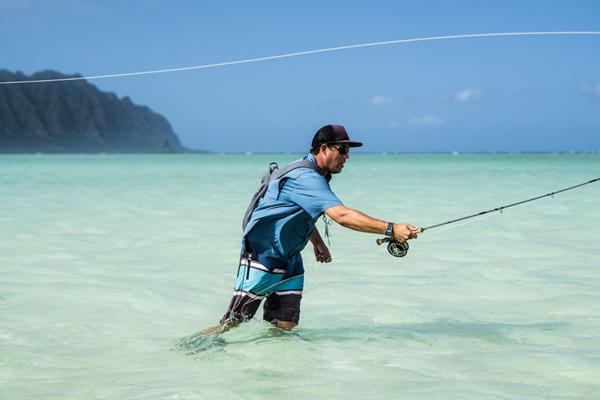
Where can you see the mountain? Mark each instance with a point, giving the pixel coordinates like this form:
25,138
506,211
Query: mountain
76,117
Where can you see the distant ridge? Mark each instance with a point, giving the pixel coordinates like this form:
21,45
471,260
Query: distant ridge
76,117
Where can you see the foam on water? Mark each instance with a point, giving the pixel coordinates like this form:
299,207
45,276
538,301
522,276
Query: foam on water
109,264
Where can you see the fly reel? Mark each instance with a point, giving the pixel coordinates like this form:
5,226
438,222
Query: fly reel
394,247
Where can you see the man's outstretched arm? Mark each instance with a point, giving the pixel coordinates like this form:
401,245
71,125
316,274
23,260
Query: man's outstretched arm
358,221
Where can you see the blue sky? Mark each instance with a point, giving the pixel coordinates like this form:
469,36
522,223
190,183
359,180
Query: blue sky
487,94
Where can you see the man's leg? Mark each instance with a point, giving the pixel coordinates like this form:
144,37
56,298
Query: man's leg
254,282
287,325
282,307
242,307
212,330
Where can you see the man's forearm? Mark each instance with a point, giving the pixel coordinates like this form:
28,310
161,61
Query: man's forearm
315,237
356,220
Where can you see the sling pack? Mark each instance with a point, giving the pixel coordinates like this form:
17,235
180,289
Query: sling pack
274,173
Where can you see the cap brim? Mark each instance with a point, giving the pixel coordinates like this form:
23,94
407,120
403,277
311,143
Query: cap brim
350,143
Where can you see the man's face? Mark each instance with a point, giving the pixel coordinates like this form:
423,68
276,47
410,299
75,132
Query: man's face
334,157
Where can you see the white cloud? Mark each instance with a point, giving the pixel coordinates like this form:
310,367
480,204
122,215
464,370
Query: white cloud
427,120
380,100
467,95
590,89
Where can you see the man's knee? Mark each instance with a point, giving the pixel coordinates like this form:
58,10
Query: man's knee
286,324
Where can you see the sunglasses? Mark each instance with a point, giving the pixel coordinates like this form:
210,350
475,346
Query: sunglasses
342,149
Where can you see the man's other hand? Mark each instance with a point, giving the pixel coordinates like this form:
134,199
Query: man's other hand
322,253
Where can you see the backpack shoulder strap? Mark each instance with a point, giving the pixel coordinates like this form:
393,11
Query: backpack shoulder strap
278,173
275,173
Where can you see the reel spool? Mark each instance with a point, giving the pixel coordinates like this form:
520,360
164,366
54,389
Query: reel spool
395,248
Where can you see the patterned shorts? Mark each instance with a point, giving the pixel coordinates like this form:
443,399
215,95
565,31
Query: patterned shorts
279,283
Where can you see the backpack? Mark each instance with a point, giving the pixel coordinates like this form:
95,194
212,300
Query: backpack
273,172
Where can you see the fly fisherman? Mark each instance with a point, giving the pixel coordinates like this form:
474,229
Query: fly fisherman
282,224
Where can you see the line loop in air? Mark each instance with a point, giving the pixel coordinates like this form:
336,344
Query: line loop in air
308,52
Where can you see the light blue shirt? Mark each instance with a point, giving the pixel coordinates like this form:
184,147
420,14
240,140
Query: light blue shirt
281,225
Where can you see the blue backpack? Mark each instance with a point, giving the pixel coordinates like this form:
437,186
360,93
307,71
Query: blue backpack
274,173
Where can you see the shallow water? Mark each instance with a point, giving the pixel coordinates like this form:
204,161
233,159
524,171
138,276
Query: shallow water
108,265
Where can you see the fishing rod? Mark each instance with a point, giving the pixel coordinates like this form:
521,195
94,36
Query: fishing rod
400,249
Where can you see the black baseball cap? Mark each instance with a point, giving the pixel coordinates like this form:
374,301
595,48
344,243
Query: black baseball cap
333,134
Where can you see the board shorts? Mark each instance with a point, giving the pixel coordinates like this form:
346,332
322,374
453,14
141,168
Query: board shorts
263,277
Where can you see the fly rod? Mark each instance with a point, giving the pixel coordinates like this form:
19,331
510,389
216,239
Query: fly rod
400,249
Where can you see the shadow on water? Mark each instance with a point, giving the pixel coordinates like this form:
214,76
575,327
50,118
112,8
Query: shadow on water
496,332
198,343
493,332
211,343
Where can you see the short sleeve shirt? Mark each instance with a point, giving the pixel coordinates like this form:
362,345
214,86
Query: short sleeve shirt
282,223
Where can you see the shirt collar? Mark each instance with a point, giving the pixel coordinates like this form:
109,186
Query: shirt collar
311,158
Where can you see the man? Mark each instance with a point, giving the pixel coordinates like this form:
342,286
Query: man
281,226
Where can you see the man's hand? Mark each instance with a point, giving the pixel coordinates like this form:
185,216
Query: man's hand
322,253
404,232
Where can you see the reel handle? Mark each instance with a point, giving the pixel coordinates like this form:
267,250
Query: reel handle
382,241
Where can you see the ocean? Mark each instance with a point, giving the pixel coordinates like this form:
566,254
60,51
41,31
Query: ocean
108,263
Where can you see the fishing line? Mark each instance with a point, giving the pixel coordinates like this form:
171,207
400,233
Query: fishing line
400,249
449,228
308,52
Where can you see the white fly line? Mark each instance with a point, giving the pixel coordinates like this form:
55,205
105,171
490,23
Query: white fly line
307,52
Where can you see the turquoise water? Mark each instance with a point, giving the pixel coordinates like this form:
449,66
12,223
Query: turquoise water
107,262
